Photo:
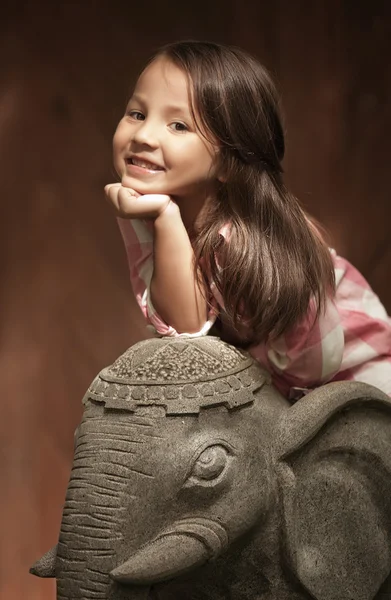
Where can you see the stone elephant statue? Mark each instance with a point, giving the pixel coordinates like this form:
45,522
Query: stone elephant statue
194,479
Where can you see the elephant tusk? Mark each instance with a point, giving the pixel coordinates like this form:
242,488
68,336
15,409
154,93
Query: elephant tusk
188,544
164,558
45,566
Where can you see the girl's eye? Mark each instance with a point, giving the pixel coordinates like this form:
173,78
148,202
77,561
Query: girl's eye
178,126
136,114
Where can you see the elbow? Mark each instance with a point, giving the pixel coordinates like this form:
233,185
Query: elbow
184,313
191,319
191,326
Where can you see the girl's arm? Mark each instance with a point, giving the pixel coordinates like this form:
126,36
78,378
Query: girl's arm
160,259
175,292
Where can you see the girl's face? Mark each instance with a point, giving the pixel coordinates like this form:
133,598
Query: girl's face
157,146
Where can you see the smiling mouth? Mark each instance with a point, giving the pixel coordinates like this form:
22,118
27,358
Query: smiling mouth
143,164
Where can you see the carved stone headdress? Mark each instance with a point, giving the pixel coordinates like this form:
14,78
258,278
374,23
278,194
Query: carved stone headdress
182,375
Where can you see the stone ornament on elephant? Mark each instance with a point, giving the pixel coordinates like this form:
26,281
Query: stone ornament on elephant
194,479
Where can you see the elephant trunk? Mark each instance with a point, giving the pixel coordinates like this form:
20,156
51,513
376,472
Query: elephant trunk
46,565
85,552
106,464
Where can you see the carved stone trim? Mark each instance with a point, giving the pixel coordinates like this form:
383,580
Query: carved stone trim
126,384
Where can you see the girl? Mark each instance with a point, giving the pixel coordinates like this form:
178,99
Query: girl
214,238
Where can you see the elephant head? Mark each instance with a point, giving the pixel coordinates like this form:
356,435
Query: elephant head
194,479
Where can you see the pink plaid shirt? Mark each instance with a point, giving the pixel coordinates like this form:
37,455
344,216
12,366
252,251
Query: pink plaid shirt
351,340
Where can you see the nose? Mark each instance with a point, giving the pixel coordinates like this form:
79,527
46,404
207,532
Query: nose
146,134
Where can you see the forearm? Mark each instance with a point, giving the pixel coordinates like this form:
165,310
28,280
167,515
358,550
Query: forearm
175,292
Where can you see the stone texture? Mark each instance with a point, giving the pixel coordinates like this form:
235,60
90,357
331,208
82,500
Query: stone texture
179,491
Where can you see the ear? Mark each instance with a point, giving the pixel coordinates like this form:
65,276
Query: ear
334,467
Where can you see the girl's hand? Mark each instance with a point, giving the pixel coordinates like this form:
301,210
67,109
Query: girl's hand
128,204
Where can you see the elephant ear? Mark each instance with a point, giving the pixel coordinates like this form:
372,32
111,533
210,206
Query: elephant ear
333,456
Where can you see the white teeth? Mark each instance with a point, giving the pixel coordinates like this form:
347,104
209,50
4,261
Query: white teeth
145,165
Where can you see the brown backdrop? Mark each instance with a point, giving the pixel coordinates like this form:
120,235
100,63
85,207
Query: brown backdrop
66,308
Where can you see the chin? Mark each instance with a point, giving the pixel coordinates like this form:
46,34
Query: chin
142,187
135,184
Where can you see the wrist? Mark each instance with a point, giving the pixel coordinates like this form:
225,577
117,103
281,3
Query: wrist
169,212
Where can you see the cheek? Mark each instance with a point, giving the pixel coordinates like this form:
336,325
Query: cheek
207,159
198,158
118,149
120,137
116,142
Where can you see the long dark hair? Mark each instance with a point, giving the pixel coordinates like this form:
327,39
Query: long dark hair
275,262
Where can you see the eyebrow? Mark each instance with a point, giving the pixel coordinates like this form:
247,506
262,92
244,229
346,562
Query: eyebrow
169,107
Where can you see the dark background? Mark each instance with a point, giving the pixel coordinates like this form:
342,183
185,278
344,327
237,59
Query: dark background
66,307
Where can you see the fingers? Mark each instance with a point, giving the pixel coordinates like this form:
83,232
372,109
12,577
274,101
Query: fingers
129,204
118,186
127,201
121,199
111,193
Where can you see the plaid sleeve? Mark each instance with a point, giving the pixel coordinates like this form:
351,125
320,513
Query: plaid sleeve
137,235
309,355
367,327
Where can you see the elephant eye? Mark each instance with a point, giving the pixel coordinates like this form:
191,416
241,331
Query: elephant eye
211,462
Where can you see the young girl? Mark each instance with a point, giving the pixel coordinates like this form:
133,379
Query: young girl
214,238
